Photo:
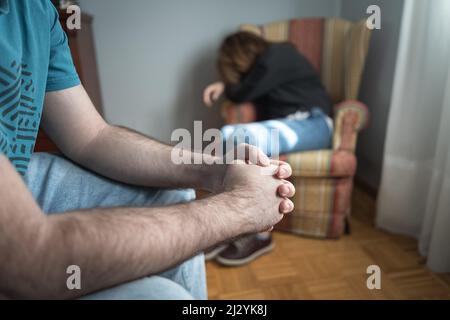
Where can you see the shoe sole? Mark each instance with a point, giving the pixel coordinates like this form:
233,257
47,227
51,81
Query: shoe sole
243,261
214,253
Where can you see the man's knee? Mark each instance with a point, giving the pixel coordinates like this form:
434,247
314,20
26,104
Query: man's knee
191,275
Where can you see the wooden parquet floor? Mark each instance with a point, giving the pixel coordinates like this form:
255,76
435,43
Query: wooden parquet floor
302,268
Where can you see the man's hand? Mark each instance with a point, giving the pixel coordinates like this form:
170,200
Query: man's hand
253,155
259,199
258,182
213,92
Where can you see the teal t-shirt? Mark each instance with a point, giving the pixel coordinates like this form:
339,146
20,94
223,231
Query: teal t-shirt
34,59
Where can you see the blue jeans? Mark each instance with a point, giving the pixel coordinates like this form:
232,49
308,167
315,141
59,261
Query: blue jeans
59,185
298,132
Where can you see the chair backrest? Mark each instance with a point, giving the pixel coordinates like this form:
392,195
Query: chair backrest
337,48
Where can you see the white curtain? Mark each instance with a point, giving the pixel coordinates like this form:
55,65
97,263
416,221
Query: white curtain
414,196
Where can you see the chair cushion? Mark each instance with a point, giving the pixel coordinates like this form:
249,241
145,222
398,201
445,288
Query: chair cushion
322,163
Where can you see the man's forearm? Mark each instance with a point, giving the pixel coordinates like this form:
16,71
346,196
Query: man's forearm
72,122
127,156
112,246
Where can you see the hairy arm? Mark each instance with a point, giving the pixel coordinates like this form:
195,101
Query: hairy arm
111,246
118,153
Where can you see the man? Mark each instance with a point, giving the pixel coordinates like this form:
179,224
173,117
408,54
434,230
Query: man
116,226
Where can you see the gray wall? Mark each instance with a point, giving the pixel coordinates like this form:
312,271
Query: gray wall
377,82
156,56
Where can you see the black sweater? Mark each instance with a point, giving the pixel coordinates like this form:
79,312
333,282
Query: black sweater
279,83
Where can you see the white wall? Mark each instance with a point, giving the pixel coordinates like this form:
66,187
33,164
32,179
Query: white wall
377,82
155,56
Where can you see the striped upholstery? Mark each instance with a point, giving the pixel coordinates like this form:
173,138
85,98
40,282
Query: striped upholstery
334,68
337,48
322,164
355,58
308,45
321,206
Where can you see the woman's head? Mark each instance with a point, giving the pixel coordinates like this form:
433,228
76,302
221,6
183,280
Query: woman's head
237,54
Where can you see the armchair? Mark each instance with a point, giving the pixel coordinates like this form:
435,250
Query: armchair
337,48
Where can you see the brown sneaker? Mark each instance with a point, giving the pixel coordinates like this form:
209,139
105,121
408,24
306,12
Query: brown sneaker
245,250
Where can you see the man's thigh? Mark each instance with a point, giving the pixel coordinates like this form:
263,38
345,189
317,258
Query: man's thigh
149,288
58,185
184,282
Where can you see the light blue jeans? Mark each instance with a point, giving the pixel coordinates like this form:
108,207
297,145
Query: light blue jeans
298,132
59,185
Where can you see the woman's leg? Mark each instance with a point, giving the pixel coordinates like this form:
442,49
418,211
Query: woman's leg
279,136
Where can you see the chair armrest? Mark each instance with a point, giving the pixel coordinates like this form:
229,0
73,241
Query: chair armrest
349,118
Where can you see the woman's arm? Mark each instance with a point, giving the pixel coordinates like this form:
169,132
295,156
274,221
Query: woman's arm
213,92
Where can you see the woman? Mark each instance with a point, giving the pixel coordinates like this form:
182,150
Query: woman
288,98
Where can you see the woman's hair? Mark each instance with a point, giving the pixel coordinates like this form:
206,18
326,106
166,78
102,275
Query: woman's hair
237,54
